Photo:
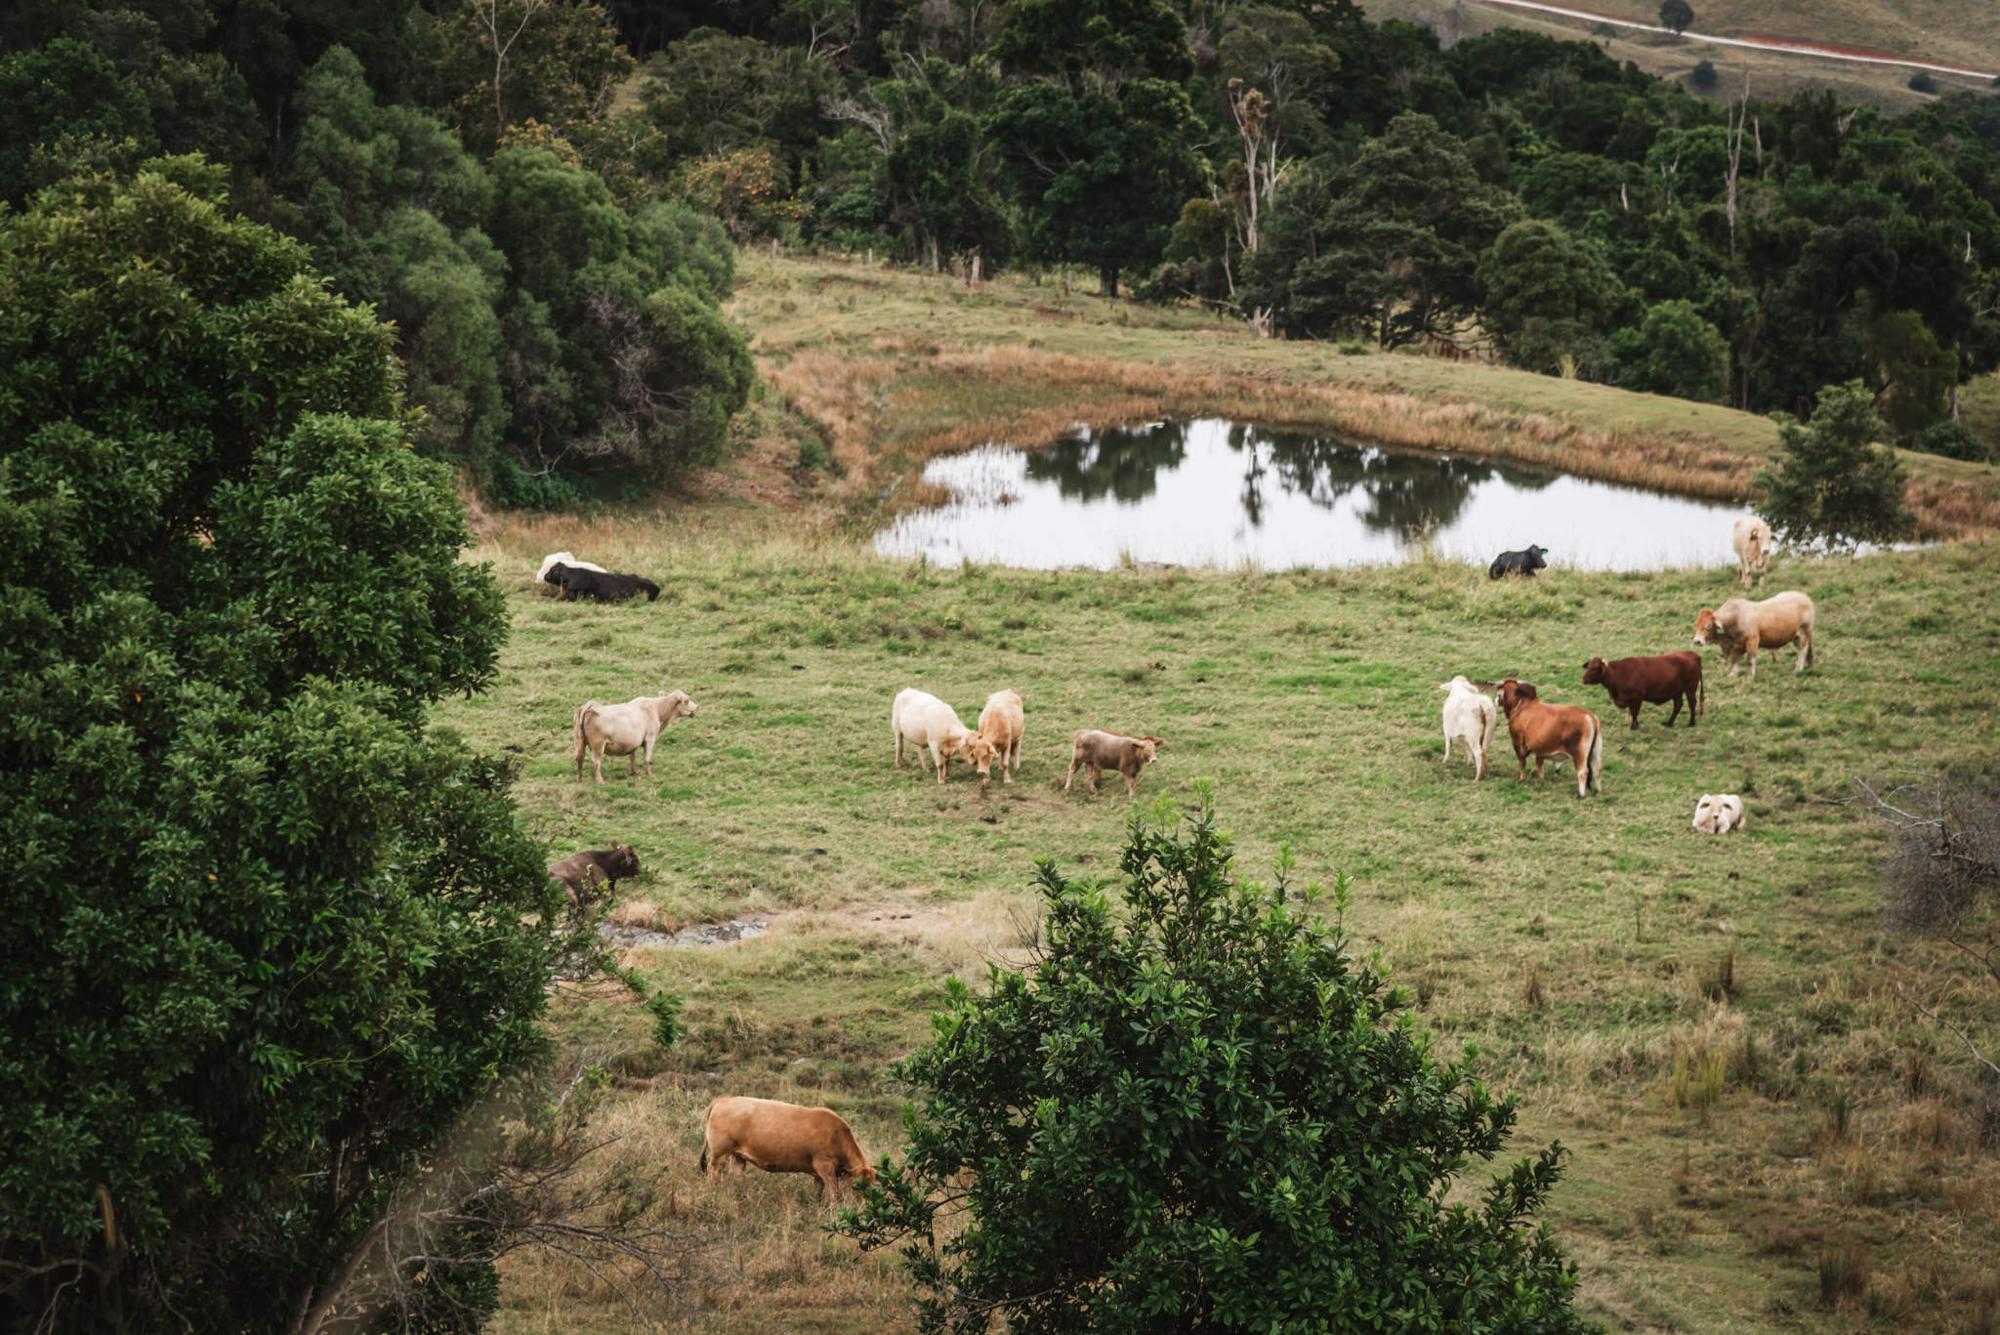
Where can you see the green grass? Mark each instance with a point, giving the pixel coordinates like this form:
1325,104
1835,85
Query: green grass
1577,943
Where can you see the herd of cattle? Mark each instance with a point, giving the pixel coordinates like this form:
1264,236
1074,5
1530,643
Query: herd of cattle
786,1138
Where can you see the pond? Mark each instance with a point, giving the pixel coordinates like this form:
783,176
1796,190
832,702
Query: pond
1224,494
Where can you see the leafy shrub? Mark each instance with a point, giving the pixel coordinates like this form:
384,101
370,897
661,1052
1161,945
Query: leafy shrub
1199,1111
1923,82
1953,440
1703,76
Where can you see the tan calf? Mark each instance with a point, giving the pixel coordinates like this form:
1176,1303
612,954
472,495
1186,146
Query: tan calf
1097,750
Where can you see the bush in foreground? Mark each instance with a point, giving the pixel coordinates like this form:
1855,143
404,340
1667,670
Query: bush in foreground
267,935
1199,1112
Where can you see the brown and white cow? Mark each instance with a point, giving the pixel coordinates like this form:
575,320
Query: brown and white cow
1652,680
1001,724
1753,540
1097,750
1740,628
782,1138
1543,730
599,729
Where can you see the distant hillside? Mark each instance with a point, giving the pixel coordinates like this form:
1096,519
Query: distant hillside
1963,33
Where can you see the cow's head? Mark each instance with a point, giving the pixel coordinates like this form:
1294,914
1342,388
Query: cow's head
555,574
1593,672
1535,555
1514,692
982,753
673,705
619,861
1147,746
1707,630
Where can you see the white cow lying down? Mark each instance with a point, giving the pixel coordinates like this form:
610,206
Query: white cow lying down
1718,813
568,559
926,722
625,730
1469,715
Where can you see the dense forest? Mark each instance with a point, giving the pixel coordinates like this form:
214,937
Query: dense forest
542,195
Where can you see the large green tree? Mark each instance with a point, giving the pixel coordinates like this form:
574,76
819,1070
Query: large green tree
1673,351
1549,297
1832,484
1395,250
1199,1112
268,935
1095,130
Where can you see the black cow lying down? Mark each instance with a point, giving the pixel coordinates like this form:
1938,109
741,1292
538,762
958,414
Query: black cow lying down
1518,563
601,585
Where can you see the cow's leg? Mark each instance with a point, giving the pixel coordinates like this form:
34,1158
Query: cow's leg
1096,773
1520,763
632,763
1539,762
943,762
1804,641
1131,782
899,748
1447,746
826,1173
1478,761
1635,716
1670,718
1751,651
1071,776
649,754
597,762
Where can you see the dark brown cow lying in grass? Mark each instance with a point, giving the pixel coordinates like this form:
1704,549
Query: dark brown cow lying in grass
1097,751
1653,680
1542,730
581,873
783,1138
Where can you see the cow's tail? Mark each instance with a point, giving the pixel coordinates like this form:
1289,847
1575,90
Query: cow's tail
1595,758
1490,720
582,716
1700,689
701,1165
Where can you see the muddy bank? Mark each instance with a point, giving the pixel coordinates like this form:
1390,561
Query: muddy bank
696,934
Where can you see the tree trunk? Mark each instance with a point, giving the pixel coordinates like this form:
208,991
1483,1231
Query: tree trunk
1107,280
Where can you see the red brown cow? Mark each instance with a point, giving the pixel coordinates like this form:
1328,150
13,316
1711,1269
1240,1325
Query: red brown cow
782,1138
1543,730
1653,680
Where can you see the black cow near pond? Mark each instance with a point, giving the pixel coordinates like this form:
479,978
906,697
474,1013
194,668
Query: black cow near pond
602,586
1518,563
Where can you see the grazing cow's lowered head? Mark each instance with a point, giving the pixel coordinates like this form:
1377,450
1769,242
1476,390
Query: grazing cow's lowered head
980,752
1707,630
618,860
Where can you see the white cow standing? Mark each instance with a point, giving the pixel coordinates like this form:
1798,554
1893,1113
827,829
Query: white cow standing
928,723
1753,540
625,730
1469,715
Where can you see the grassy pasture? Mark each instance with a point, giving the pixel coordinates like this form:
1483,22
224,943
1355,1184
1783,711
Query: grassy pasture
1712,1025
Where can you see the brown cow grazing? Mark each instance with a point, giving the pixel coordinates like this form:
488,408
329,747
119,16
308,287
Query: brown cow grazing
1741,627
1098,751
581,873
783,1138
1653,680
1542,730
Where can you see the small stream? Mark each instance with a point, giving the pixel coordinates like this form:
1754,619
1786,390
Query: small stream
1212,492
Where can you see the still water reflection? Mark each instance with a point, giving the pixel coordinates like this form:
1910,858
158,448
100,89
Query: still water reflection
1222,493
